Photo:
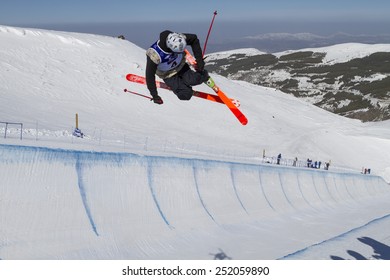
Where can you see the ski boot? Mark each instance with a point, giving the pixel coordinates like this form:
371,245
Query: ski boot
210,82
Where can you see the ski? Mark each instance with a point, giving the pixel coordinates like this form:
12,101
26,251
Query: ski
233,108
212,97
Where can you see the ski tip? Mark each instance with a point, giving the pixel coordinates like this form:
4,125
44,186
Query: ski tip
243,120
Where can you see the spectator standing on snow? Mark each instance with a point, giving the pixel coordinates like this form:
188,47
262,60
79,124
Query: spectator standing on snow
278,159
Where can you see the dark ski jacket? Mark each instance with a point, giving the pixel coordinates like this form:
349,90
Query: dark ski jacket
151,67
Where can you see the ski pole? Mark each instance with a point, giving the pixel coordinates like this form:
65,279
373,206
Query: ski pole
208,34
133,92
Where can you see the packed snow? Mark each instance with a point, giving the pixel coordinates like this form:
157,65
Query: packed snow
225,54
183,180
344,52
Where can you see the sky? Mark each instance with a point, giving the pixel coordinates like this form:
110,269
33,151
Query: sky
141,21
49,11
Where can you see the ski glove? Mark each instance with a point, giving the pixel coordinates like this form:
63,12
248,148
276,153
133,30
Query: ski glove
157,99
200,66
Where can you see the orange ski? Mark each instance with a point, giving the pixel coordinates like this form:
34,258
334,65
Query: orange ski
233,108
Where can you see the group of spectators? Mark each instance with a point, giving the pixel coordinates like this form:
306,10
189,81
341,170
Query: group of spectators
303,163
316,164
366,170
296,163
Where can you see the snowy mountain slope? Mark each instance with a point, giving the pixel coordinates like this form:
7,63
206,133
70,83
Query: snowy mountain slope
47,77
351,79
343,52
333,54
225,54
278,42
128,202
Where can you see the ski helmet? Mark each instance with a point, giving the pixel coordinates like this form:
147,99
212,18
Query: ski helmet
176,42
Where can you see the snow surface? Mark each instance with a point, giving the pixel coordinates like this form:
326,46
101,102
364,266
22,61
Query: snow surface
183,180
334,54
225,54
344,52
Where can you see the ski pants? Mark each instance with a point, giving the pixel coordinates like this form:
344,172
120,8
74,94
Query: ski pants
181,84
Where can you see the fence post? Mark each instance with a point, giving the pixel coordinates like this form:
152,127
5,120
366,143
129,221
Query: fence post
6,128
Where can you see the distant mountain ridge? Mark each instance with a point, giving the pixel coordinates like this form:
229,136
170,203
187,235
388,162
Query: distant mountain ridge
277,42
352,80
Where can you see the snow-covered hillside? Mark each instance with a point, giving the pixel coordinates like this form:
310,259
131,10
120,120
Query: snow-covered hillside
184,180
351,79
46,77
334,54
224,54
344,52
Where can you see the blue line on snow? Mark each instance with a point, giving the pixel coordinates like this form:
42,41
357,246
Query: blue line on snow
150,183
200,197
235,189
285,195
315,187
83,194
262,190
327,188
300,190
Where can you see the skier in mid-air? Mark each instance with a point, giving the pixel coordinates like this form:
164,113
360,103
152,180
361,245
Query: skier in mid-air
166,59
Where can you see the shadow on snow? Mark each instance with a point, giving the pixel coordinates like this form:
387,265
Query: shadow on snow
381,251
